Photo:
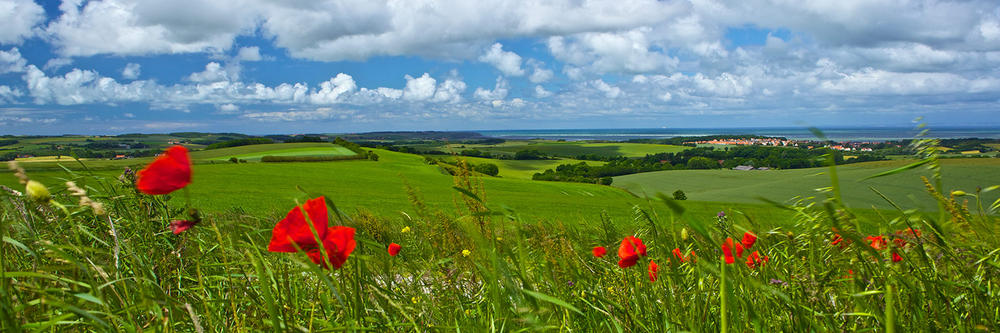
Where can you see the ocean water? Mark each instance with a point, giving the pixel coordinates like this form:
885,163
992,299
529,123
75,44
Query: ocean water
796,133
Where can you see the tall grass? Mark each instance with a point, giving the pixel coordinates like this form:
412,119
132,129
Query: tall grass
72,269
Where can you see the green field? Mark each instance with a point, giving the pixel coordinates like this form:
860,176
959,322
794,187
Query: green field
521,169
65,267
564,149
324,150
780,185
379,187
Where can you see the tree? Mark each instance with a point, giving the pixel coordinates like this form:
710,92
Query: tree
699,162
606,181
679,195
487,168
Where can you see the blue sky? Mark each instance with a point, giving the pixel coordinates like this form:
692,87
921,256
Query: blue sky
254,66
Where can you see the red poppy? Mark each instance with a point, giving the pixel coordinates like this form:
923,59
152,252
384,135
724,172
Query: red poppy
748,239
837,240
739,250
727,250
677,253
896,257
877,242
394,249
179,226
599,251
169,172
754,260
294,231
629,251
692,257
653,271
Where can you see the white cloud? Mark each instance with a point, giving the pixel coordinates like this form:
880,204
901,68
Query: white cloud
419,89
540,92
213,73
608,90
449,91
57,63
620,52
11,61
322,113
509,63
499,90
17,19
251,53
9,95
133,27
131,71
331,90
540,74
879,82
228,108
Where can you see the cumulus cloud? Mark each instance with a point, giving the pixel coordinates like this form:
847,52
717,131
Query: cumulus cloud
17,19
507,62
322,113
213,73
133,27
608,90
498,92
420,88
11,61
449,91
131,71
251,53
540,92
9,95
331,90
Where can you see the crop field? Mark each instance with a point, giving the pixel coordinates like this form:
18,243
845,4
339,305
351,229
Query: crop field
565,149
521,169
779,185
381,187
509,254
325,150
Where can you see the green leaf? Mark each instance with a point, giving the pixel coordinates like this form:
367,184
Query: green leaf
671,203
899,169
551,299
467,193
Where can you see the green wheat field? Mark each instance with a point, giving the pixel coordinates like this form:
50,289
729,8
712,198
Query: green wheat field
504,253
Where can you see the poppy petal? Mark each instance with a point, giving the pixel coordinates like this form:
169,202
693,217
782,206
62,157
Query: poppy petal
339,244
294,228
727,250
179,226
394,249
169,172
599,251
749,239
653,271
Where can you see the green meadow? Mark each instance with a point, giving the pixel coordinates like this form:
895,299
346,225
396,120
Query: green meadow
519,169
496,253
564,149
905,189
380,187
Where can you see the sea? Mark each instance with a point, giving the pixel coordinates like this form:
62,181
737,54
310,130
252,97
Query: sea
793,133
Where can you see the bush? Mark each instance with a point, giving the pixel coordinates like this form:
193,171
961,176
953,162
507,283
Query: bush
327,158
679,195
239,142
532,154
605,181
234,160
487,169
699,162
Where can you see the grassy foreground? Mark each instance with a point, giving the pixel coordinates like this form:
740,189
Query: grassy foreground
780,185
64,267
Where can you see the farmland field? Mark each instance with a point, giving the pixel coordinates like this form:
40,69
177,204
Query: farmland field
566,149
325,150
522,169
528,260
780,185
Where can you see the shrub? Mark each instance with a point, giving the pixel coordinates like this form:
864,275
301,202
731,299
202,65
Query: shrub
679,195
487,169
699,162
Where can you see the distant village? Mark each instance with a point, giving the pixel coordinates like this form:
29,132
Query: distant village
777,142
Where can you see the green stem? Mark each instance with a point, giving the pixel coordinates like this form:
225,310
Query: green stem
722,298
890,313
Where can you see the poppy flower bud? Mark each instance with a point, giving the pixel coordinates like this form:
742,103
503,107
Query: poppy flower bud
684,234
957,193
37,192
